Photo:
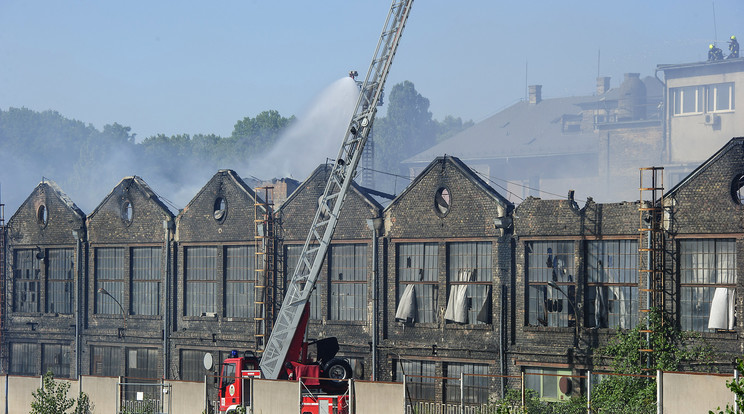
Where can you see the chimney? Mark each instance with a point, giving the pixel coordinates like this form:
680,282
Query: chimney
603,84
535,94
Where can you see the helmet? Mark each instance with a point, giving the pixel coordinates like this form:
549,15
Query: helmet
733,37
711,46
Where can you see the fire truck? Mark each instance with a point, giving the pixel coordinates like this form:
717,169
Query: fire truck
285,355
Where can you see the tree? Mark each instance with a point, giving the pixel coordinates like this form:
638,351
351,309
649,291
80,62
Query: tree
672,348
51,398
257,135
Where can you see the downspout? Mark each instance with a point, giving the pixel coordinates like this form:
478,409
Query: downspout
78,246
375,225
166,291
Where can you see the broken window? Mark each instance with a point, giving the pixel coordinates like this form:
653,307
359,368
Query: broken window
442,202
418,282
56,358
470,279
26,279
127,213
240,277
707,284
292,256
612,284
109,275
348,268
220,209
146,279
550,262
42,215
201,280
60,281
419,378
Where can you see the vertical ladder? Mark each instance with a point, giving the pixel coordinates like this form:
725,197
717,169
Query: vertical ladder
306,272
651,243
264,286
368,164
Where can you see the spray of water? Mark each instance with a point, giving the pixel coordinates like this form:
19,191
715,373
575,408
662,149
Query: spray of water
313,138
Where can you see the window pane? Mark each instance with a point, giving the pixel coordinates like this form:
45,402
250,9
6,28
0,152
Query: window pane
23,358
419,378
418,264
192,368
470,277
551,261
26,274
109,273
474,380
56,358
105,361
146,274
612,276
348,269
240,276
201,280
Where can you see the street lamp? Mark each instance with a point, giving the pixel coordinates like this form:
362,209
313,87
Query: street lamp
573,305
105,292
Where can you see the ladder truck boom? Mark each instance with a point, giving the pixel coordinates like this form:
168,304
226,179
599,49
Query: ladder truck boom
319,237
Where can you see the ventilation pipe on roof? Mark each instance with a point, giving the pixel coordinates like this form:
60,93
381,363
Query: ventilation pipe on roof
535,94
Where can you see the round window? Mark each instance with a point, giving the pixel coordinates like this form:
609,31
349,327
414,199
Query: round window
442,202
42,215
220,209
127,212
737,189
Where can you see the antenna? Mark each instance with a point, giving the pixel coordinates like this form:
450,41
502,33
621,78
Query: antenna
715,26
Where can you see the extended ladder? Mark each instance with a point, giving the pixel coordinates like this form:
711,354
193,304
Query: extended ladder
306,272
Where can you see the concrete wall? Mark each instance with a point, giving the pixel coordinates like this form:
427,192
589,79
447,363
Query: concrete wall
378,397
276,397
187,397
19,389
686,393
102,391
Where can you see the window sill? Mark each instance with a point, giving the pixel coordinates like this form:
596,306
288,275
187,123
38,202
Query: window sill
338,322
199,318
479,327
529,328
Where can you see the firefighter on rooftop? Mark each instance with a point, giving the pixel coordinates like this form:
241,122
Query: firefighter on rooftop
714,53
733,48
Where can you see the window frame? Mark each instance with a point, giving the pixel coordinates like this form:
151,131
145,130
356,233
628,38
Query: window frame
694,268
203,279
711,96
476,384
148,277
538,277
612,266
114,275
420,375
25,284
349,258
60,280
679,98
240,281
425,280
477,257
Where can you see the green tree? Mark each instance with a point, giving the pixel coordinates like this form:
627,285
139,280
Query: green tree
451,126
52,398
258,135
672,349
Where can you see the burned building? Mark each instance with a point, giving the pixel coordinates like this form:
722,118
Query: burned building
449,279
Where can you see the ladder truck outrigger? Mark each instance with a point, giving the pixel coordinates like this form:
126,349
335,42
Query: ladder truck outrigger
285,355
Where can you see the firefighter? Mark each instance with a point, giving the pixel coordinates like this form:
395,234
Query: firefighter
733,48
714,53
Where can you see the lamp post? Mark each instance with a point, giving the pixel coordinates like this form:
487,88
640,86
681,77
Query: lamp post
573,305
105,292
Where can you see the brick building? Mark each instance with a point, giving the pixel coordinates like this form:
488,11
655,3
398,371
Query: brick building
449,278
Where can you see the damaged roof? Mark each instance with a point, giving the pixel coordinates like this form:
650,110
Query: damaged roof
141,185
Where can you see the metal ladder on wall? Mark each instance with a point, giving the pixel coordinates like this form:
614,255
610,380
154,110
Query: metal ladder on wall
264,267
651,242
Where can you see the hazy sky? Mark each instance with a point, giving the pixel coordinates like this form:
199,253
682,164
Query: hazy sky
197,67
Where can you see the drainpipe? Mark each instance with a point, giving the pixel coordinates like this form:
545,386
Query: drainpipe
78,246
166,281
375,225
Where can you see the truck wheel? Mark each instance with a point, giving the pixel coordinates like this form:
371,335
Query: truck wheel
338,369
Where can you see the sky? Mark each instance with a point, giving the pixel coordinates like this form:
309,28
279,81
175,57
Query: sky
175,67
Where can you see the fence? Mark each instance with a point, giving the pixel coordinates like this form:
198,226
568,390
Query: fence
144,397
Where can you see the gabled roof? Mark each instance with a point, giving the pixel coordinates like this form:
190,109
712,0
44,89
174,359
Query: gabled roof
56,190
235,178
138,183
465,170
325,169
522,130
705,165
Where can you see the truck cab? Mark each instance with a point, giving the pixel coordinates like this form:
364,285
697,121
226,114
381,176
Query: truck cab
233,390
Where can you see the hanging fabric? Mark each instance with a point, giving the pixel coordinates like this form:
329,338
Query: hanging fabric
457,309
406,311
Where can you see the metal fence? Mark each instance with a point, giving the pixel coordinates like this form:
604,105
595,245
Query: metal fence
144,397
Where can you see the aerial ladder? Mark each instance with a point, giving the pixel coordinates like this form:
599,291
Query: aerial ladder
286,346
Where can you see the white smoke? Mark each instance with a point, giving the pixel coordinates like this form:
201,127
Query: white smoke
314,137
